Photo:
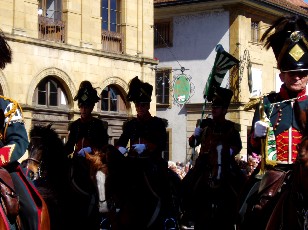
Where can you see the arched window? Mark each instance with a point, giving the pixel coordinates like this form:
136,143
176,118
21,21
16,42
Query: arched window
50,94
112,100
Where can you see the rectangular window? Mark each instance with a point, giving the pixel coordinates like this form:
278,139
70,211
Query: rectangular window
163,86
112,38
255,31
50,24
256,82
111,14
53,94
163,34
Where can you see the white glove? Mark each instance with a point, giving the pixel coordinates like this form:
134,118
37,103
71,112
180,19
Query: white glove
139,148
122,150
260,128
198,131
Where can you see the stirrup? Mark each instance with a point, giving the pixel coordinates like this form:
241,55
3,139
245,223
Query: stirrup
170,224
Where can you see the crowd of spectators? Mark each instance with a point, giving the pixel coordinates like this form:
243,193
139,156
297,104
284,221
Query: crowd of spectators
179,167
250,165
247,167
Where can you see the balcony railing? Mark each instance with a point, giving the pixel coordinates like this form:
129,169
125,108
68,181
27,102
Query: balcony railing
51,30
112,42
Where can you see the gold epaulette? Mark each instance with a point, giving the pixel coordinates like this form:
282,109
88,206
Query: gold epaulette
9,114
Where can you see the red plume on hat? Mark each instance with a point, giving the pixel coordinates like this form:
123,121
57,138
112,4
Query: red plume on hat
5,51
139,91
86,94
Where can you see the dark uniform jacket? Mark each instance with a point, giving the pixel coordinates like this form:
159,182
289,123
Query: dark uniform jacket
150,131
86,134
213,133
280,112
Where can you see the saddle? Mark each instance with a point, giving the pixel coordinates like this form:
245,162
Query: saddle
9,198
270,186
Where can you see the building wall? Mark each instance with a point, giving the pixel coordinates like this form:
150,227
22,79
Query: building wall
195,36
261,59
230,25
79,58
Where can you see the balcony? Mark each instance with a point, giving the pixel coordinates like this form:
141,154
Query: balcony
112,42
51,30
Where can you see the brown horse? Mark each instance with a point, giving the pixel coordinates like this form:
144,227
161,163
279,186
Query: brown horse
47,167
132,199
211,189
67,185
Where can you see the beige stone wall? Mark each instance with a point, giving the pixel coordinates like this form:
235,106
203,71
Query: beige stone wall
80,58
240,40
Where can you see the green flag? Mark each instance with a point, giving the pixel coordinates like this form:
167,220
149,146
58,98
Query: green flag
223,62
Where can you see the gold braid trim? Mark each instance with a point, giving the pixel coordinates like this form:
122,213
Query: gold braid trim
253,102
10,114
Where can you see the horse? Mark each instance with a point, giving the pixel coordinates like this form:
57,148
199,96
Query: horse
47,166
281,199
132,199
211,190
64,186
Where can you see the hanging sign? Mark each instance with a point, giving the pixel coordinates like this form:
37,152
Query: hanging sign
181,89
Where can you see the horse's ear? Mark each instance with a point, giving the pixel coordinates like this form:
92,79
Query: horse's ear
49,125
301,117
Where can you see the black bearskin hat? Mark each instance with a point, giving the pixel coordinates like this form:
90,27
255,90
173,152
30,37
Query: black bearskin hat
5,51
139,91
222,97
289,43
86,94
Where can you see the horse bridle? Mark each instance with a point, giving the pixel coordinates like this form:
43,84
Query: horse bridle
35,176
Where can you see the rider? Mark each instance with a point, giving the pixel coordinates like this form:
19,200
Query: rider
280,126
145,135
210,133
14,143
86,132
86,135
289,43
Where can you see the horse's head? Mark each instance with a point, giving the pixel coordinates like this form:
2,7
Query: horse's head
46,152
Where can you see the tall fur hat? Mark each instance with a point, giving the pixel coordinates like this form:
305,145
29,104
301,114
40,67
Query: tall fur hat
222,97
289,43
139,91
86,94
5,51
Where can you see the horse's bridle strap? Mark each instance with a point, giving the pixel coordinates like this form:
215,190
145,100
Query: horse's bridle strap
33,159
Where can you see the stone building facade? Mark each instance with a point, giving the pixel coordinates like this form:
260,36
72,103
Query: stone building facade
57,44
191,31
